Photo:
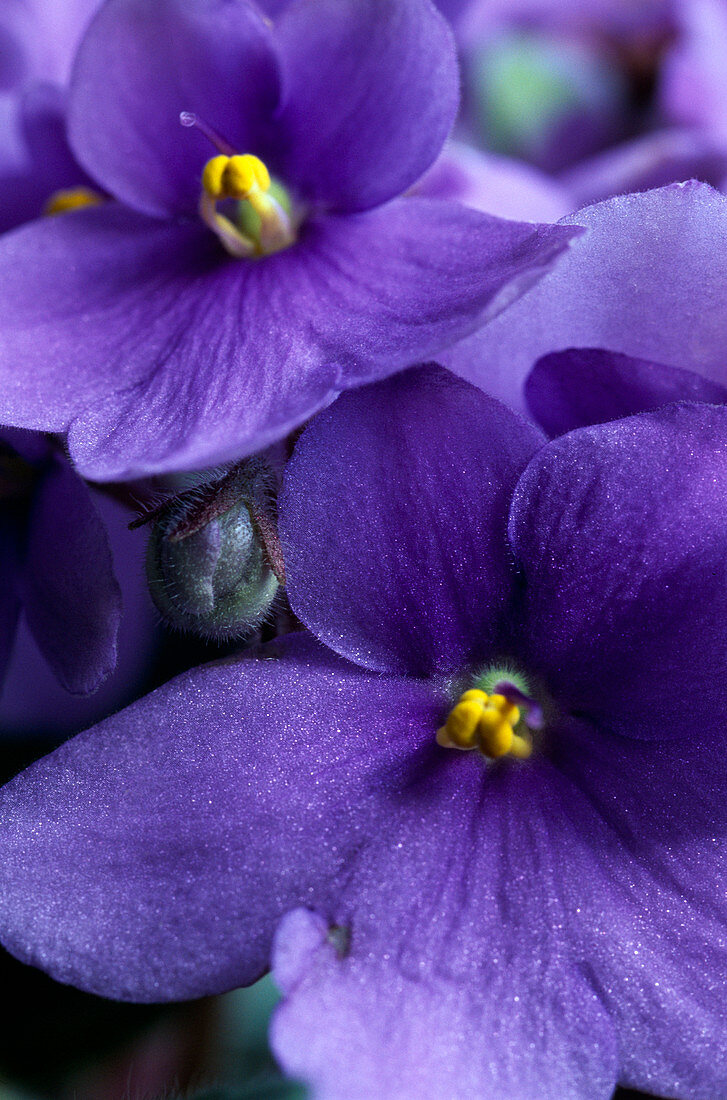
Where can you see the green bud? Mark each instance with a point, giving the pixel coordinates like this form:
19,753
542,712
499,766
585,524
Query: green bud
209,563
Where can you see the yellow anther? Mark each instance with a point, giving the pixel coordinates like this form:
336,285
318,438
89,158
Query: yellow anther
71,198
474,693
494,733
486,723
213,175
244,178
246,174
236,177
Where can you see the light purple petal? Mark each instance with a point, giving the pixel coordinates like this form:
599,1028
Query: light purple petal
495,185
176,833
166,354
619,532
648,279
651,160
448,967
141,65
393,518
580,386
71,597
370,92
693,79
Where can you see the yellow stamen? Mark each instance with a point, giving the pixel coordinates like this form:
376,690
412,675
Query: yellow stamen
245,178
71,198
487,723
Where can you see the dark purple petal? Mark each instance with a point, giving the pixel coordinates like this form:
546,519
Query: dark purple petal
393,518
49,710
619,531
10,551
447,968
179,831
370,92
71,597
44,109
654,909
142,64
170,355
649,279
580,386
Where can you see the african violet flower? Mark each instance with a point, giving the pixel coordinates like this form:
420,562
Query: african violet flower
254,265
454,925
38,171
648,280
57,565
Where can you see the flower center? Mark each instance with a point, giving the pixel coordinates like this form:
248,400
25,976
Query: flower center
497,717
245,179
71,198
260,221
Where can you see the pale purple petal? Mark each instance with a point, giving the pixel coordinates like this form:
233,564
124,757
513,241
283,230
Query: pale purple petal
651,160
140,66
648,279
179,831
495,185
693,77
370,92
393,522
71,597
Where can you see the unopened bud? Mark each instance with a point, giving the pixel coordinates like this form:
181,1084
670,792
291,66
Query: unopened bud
210,566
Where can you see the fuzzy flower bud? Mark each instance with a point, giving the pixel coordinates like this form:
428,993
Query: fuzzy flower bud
210,565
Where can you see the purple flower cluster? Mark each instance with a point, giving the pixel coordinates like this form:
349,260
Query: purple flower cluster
464,792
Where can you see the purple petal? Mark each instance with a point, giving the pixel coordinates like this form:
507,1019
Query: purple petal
448,968
393,517
10,540
50,711
571,389
694,84
655,908
185,826
619,531
143,64
649,279
370,92
170,355
652,160
495,185
71,597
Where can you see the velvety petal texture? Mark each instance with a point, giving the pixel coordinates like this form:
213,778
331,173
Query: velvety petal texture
571,389
367,100
190,358
648,279
446,968
71,597
393,522
180,830
619,533
654,908
140,66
